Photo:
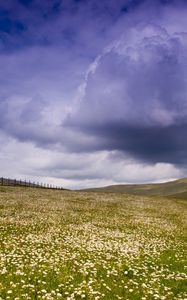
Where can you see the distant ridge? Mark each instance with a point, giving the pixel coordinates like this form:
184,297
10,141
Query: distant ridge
176,188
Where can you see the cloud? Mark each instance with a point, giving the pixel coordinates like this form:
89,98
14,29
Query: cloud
76,170
36,92
135,99
93,91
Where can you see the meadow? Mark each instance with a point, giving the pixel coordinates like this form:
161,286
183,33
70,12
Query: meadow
91,245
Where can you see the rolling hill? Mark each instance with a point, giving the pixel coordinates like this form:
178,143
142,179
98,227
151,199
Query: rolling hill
177,188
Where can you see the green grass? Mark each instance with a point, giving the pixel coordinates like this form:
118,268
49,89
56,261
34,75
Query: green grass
88,245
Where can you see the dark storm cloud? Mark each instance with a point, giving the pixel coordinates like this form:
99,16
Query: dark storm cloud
149,144
135,98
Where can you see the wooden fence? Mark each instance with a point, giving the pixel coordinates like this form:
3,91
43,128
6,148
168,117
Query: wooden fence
25,183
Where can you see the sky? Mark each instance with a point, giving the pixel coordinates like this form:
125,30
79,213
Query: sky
92,92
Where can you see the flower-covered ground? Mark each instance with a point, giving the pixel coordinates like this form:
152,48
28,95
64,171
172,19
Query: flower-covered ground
78,245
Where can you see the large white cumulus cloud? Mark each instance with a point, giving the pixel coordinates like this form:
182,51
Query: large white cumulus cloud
135,98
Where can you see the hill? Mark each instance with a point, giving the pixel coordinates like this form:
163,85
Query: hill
177,189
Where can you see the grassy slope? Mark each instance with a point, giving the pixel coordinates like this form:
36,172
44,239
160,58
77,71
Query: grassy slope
177,188
80,245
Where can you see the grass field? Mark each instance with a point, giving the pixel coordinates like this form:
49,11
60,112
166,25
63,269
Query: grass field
89,245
